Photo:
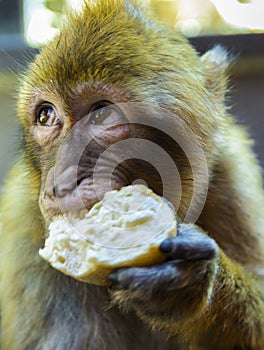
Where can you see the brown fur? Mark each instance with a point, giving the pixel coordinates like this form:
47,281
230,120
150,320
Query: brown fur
112,50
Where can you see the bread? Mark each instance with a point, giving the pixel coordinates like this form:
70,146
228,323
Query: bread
124,229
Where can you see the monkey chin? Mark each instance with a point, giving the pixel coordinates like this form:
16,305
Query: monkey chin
124,229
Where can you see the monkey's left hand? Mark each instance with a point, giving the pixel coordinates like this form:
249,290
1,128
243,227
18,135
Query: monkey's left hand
175,289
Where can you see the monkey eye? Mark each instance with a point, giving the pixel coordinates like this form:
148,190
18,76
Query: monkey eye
46,116
104,112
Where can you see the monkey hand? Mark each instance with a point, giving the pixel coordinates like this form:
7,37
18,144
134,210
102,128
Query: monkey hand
176,290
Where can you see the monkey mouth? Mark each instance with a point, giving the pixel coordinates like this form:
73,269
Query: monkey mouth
86,193
77,189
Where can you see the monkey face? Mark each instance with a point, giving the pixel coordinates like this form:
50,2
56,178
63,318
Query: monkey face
95,139
110,145
99,117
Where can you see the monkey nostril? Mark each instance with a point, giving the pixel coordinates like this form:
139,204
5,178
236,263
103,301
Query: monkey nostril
55,190
62,190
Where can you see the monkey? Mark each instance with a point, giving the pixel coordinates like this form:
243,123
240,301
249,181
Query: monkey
78,99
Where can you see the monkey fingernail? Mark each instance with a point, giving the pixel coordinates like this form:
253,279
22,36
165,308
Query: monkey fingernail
166,246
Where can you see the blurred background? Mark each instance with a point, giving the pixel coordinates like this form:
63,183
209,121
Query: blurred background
236,24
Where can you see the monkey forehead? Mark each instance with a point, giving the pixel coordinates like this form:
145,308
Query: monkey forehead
116,43
98,89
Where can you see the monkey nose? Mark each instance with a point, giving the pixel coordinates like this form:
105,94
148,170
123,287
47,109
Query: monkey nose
62,183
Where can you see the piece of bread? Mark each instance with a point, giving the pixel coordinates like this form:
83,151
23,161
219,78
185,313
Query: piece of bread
124,229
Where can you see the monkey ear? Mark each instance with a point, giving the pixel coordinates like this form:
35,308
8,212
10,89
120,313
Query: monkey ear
215,64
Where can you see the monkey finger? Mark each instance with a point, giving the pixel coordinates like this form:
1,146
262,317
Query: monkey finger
154,279
192,247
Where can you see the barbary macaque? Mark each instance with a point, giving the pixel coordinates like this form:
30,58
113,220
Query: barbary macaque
112,100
